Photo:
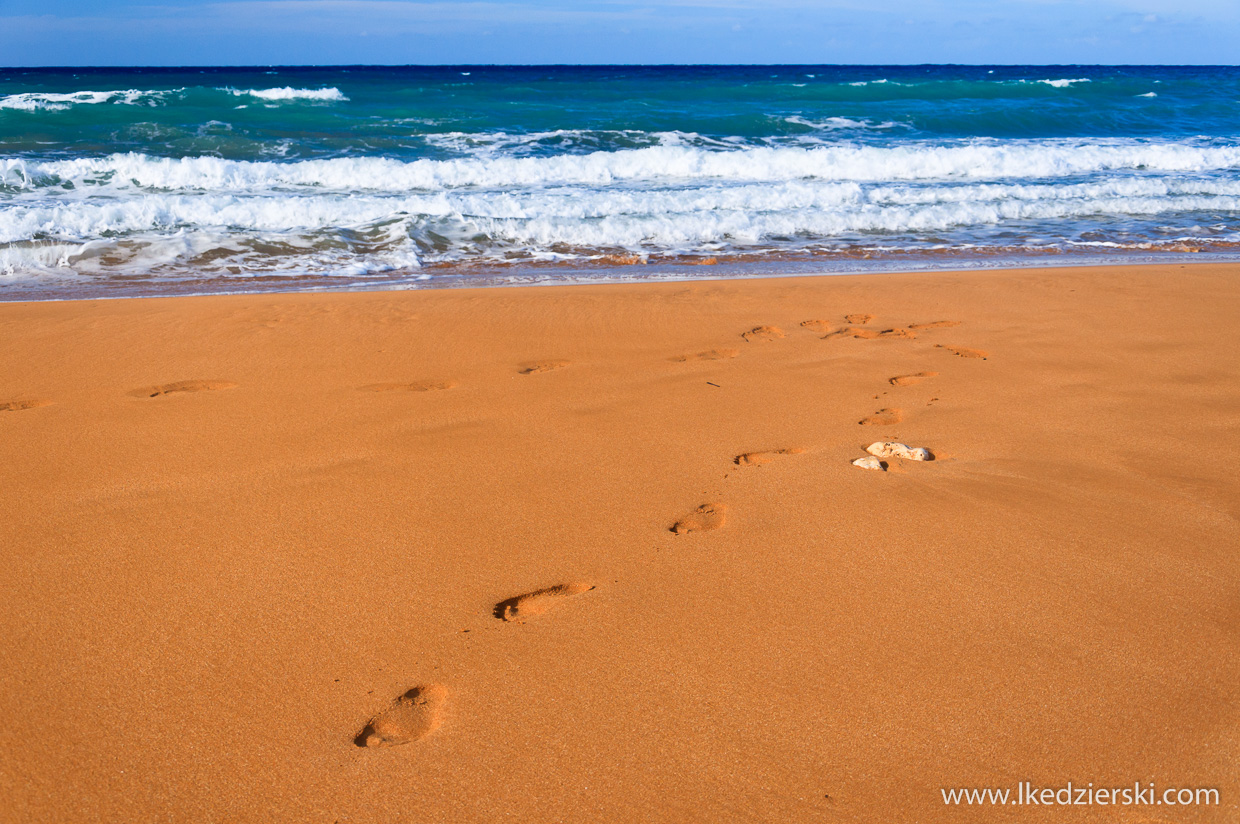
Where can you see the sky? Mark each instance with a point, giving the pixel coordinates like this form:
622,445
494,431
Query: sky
326,32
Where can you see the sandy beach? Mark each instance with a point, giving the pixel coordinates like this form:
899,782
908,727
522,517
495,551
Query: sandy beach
264,556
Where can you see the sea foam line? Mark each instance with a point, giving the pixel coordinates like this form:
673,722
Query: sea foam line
660,164
575,218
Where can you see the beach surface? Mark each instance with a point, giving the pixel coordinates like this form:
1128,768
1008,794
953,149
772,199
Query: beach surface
600,553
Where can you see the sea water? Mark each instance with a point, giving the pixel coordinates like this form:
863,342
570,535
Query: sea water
160,181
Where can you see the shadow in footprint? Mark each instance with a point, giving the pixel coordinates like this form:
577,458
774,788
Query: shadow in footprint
538,601
937,324
760,458
17,406
181,386
870,334
859,317
962,352
763,333
538,367
413,716
710,354
909,380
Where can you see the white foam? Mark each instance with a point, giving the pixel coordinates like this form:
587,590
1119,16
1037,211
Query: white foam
832,124
669,165
55,101
288,93
1065,82
483,223
140,214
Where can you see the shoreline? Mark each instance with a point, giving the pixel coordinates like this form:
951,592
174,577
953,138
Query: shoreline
1177,260
603,553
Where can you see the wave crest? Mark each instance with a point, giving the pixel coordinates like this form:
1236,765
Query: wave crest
670,164
332,94
58,101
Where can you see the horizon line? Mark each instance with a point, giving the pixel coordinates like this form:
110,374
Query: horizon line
614,65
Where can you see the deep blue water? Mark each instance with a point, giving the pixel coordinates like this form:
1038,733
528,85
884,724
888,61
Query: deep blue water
149,181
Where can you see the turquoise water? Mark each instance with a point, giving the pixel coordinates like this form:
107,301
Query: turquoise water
151,181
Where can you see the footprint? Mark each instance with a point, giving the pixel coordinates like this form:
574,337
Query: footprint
760,458
964,353
938,324
537,602
413,716
710,354
763,333
181,386
817,325
416,386
870,334
17,406
850,332
859,318
538,367
883,417
909,380
703,519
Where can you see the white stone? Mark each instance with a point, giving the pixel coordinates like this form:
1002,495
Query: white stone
870,463
891,449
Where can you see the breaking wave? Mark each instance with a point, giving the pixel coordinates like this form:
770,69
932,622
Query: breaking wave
655,164
287,93
58,102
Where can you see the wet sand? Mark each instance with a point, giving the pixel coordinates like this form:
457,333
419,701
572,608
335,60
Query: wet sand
600,553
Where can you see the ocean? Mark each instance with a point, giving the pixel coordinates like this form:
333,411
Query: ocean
126,182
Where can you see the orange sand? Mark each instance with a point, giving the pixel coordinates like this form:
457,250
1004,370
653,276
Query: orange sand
258,551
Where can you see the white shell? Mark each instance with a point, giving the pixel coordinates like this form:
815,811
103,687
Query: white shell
891,449
870,463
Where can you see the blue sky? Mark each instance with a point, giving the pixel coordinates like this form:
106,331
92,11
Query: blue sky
264,32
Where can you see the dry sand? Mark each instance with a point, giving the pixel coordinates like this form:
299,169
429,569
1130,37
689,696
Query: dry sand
245,537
